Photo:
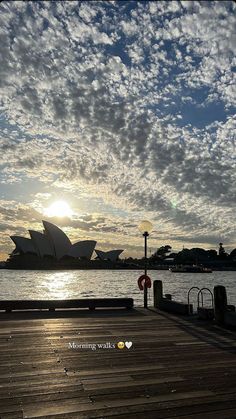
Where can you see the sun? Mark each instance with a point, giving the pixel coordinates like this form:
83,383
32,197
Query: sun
58,209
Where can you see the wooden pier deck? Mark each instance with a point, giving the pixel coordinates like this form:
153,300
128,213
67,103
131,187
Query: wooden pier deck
176,367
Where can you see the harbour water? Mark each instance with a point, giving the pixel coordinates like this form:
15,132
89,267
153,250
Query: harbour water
20,284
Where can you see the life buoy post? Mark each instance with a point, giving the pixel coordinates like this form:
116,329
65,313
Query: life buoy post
144,282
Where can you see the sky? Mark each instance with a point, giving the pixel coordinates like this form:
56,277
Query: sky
126,111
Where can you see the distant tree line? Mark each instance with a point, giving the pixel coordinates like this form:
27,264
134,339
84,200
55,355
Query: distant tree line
196,255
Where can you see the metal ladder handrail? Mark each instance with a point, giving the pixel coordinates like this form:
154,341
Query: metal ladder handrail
200,292
197,288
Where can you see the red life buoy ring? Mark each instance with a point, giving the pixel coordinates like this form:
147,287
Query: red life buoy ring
144,280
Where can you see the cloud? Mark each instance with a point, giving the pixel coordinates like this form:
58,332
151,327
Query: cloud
103,96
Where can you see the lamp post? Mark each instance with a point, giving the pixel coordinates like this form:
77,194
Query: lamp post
145,227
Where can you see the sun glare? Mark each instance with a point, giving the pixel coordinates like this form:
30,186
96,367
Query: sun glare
58,209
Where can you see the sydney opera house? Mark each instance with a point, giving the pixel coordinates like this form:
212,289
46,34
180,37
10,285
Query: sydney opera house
53,248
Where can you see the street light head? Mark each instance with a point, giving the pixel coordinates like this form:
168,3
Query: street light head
145,227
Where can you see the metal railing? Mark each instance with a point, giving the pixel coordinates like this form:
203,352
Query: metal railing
196,288
200,292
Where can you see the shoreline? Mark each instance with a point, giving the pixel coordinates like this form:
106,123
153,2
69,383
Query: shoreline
119,268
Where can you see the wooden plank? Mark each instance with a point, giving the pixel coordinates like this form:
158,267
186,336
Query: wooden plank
74,406
133,383
152,410
161,376
16,414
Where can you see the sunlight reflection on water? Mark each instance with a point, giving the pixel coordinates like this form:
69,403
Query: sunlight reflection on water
106,283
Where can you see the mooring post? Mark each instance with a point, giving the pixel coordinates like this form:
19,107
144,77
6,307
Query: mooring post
220,304
157,292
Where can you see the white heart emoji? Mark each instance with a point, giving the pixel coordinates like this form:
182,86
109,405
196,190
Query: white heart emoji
128,344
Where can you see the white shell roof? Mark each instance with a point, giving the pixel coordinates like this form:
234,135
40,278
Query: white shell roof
41,243
83,248
54,242
24,244
111,255
60,242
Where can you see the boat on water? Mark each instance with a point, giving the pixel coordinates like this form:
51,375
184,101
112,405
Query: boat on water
191,269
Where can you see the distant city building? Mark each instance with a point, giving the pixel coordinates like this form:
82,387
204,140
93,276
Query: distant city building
53,242
112,255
